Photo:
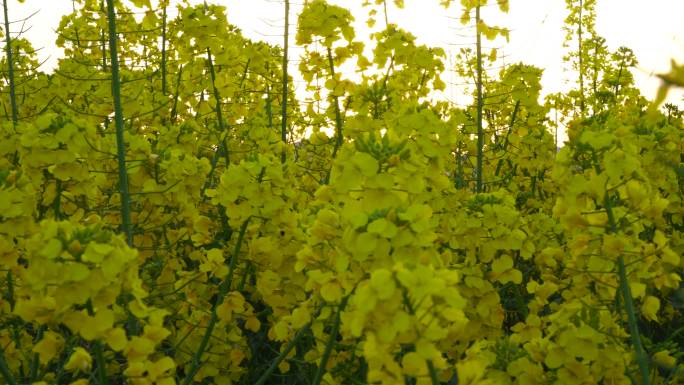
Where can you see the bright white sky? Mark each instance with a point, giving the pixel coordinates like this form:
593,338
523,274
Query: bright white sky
653,29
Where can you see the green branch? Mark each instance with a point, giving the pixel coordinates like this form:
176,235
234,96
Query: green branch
480,103
223,291
329,345
641,357
10,67
119,121
4,369
290,345
283,113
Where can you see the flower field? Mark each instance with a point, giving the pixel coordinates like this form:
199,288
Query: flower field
172,212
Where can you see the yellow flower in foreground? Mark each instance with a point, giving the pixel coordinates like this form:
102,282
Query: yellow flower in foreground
80,360
664,359
49,346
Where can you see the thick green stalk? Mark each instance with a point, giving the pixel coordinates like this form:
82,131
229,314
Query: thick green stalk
223,146
10,67
283,112
339,136
269,100
434,376
176,95
508,134
329,346
119,122
4,370
641,356
288,348
223,291
581,61
35,360
480,131
217,94
103,38
163,52
101,363
99,352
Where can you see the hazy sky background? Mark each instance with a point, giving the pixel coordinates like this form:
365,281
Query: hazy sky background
653,29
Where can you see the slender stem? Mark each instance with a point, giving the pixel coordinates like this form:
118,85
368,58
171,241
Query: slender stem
223,291
223,146
283,112
290,345
580,54
269,100
57,203
329,346
119,121
339,136
174,109
617,81
217,94
10,67
409,306
384,5
10,290
163,51
641,357
103,38
99,353
101,368
35,360
508,134
4,369
338,114
433,373
480,131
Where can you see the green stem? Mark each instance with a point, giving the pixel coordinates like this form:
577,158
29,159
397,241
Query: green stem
10,290
290,345
581,61
480,130
223,146
339,136
642,358
99,353
223,291
10,67
119,121
217,94
174,109
283,112
57,203
269,100
329,346
163,51
338,113
407,302
508,134
35,360
101,368
4,369
433,372
9,296
103,38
